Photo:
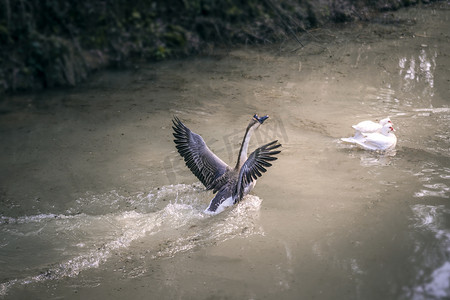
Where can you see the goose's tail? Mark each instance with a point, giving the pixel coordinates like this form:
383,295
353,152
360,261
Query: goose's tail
350,140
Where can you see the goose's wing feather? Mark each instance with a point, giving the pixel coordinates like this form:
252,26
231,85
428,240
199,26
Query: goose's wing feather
255,166
203,163
379,141
367,126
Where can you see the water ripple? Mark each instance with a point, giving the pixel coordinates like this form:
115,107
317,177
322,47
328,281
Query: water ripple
433,277
69,244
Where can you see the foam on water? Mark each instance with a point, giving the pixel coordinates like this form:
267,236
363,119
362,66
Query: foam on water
63,245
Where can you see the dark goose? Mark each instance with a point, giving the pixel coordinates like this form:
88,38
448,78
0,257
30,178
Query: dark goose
230,184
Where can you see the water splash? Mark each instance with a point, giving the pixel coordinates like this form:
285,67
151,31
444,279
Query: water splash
63,245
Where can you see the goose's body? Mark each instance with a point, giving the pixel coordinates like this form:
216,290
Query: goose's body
382,141
370,126
229,184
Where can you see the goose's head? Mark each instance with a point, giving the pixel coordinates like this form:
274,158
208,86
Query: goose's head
387,129
260,119
385,121
256,121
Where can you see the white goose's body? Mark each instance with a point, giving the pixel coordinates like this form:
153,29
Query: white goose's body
230,184
382,141
370,126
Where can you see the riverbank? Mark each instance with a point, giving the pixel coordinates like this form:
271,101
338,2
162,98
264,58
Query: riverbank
59,43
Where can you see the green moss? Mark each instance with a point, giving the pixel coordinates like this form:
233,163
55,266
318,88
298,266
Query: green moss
136,15
161,53
234,12
176,36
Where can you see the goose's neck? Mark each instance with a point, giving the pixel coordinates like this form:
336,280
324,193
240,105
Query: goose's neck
244,147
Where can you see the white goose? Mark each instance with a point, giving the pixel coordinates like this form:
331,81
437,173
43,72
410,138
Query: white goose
370,126
383,140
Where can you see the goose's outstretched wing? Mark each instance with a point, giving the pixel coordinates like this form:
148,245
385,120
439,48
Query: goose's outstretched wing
199,159
255,165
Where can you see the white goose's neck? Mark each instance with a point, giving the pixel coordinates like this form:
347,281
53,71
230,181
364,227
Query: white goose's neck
386,131
244,147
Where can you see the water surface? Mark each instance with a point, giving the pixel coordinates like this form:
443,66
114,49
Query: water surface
96,202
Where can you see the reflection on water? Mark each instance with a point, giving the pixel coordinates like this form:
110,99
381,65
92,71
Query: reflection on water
377,159
414,85
414,73
370,158
433,279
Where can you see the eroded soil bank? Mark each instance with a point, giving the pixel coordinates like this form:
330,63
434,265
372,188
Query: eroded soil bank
60,43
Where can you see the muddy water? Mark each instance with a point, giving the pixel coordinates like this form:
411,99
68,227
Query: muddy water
96,203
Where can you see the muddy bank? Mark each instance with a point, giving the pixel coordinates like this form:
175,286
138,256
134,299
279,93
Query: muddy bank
59,43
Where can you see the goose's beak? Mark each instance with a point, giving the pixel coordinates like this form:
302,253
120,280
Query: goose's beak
260,119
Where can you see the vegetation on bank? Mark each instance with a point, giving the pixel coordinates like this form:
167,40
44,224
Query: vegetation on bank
47,43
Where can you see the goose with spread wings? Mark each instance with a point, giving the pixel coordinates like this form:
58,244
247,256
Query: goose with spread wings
229,184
